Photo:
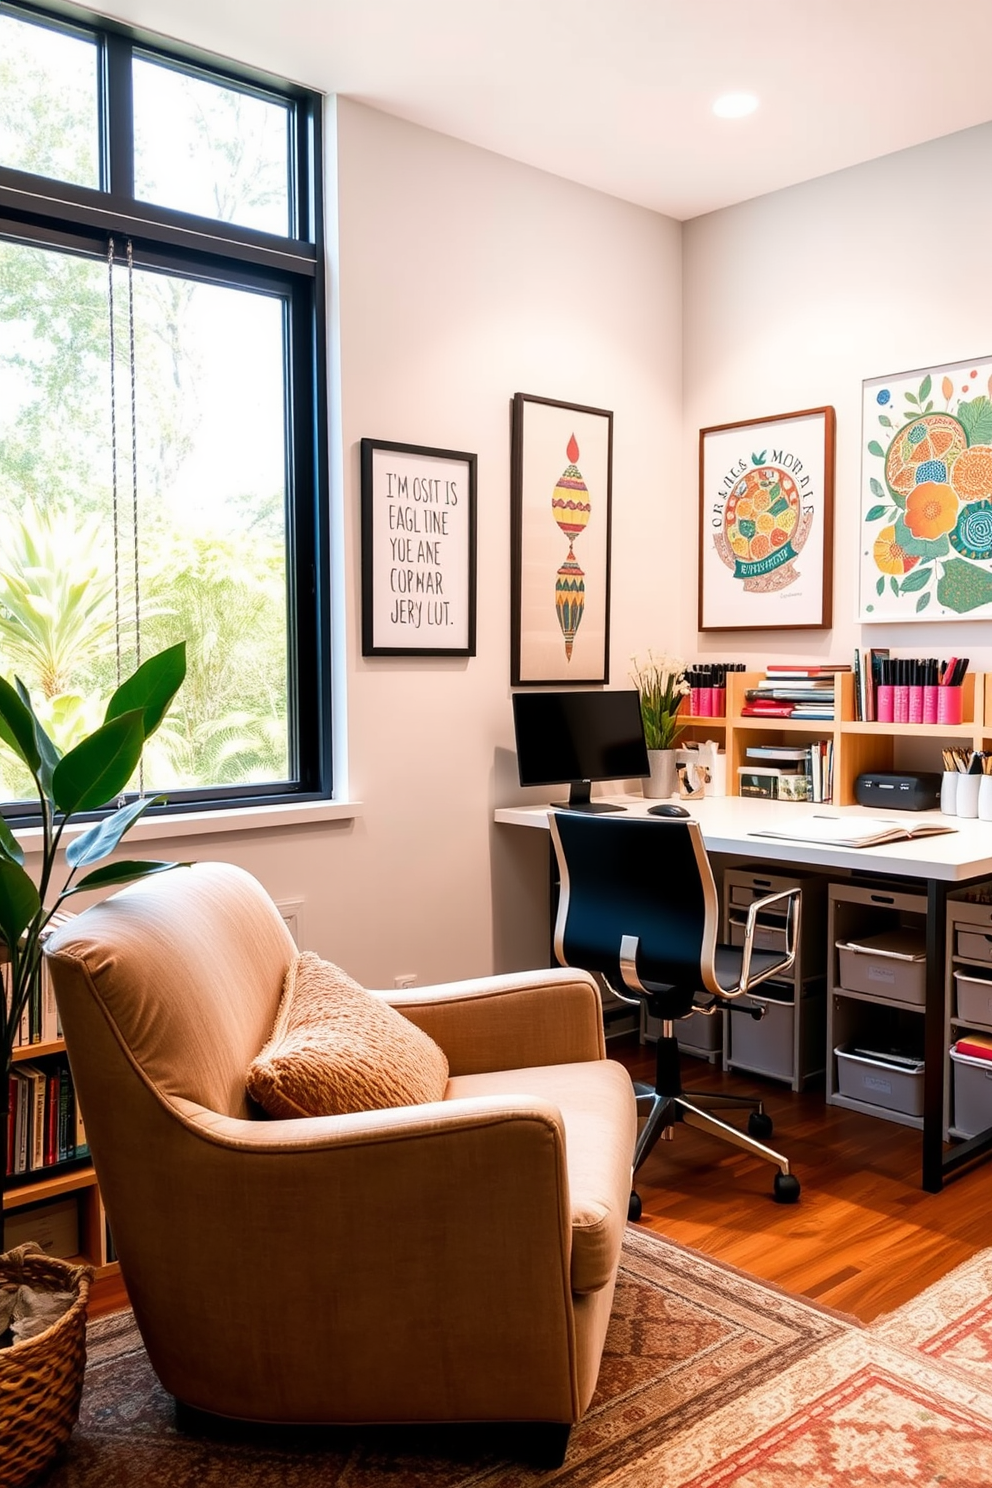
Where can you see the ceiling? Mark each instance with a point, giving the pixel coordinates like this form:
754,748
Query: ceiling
617,94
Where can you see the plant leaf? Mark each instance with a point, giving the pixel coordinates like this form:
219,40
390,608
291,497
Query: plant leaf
893,584
918,578
876,488
885,421
9,843
151,688
874,448
100,839
925,387
17,727
19,900
874,513
976,419
123,872
48,755
880,585
100,766
912,398
923,601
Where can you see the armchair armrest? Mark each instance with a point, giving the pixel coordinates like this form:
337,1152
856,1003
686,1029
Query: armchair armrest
518,1021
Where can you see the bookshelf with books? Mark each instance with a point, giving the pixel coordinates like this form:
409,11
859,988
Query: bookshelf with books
858,745
50,1192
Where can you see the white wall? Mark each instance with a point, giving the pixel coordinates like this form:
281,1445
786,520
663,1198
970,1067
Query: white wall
792,299
461,278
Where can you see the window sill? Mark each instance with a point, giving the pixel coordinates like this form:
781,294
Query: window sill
215,823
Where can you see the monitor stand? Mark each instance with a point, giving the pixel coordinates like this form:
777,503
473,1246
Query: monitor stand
579,799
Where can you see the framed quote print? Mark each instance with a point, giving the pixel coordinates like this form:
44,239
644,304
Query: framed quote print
766,489
418,550
561,473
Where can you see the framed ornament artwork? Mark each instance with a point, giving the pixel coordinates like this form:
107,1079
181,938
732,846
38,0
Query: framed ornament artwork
766,489
926,494
561,474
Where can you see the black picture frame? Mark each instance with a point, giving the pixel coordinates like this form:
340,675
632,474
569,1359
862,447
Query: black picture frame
560,621
419,514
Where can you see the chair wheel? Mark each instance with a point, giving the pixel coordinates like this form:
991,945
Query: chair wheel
634,1206
786,1189
759,1126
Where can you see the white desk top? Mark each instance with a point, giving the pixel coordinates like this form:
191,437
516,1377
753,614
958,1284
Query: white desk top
728,823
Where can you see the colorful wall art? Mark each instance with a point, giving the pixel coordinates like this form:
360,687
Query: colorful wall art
560,533
926,494
765,522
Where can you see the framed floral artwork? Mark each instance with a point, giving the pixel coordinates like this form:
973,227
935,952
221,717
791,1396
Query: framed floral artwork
926,494
766,489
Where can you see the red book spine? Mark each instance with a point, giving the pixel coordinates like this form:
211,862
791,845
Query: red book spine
52,1119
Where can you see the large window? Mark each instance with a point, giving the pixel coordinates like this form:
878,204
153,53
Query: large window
162,405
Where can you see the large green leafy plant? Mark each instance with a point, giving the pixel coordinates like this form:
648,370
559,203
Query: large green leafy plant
83,780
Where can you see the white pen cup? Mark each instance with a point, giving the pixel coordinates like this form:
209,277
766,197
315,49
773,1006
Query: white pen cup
949,792
985,798
966,800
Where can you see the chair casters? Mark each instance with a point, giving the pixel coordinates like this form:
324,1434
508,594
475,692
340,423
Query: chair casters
786,1189
634,1206
759,1126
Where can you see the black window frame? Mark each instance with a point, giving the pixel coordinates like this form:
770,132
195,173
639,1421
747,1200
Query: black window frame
42,212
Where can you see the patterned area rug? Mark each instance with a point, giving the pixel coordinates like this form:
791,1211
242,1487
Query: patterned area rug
709,1379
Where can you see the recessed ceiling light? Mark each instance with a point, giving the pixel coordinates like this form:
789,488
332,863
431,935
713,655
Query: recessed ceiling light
735,105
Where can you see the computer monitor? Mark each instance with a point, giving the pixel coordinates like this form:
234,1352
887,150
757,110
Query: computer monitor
574,738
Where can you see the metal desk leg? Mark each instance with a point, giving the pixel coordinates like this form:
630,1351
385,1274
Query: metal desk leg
933,1038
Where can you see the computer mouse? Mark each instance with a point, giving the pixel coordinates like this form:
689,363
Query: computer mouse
667,808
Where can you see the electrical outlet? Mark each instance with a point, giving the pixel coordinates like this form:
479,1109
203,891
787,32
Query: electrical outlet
405,979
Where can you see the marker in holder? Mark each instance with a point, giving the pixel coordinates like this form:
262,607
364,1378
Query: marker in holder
950,704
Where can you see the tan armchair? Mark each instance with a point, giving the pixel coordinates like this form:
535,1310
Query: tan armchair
446,1262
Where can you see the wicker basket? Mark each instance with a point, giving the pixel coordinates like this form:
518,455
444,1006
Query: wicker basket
41,1378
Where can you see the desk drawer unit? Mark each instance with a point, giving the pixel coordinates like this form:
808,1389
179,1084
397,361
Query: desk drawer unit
973,997
971,1084
892,964
876,1001
877,1083
973,945
788,1042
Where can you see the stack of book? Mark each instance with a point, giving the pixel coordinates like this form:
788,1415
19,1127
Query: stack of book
782,772
44,1127
794,692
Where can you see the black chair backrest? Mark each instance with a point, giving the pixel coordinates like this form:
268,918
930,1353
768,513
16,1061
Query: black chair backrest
647,877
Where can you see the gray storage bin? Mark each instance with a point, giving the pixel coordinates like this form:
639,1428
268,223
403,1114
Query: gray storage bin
700,1033
974,946
974,998
766,937
766,1045
880,1084
972,1094
892,965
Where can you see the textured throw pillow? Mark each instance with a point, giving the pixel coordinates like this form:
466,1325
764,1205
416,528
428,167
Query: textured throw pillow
336,1048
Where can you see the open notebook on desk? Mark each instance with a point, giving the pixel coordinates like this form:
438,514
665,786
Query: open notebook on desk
851,831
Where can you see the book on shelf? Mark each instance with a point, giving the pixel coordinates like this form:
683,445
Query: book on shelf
851,831
826,669
777,753
975,1045
767,709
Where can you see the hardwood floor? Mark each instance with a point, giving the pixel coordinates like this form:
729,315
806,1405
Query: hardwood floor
863,1238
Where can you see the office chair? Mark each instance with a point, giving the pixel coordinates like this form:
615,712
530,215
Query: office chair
638,905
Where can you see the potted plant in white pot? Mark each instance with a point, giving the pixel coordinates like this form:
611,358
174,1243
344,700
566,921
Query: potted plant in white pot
41,1375
661,684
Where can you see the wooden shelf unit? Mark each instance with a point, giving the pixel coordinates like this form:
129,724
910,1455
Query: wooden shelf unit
857,746
49,1184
